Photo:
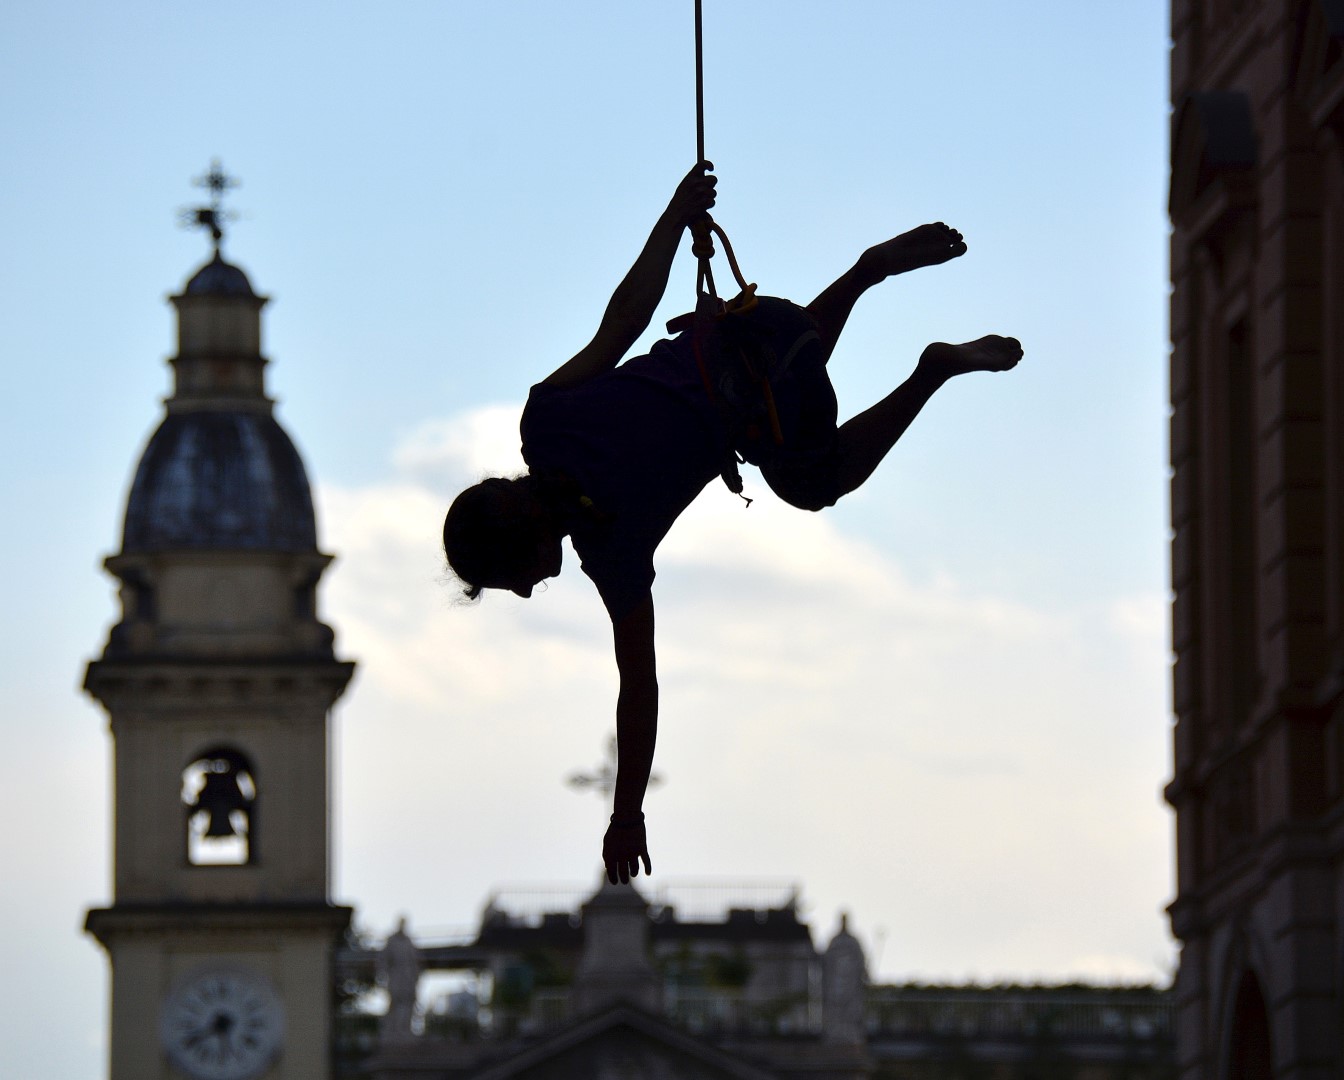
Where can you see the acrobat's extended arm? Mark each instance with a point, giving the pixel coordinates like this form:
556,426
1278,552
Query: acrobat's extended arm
626,844
637,296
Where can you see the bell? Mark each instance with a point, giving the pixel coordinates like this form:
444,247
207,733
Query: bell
219,798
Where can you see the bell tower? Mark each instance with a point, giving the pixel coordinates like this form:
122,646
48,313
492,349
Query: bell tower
218,681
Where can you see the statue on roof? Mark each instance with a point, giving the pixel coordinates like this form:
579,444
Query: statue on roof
399,966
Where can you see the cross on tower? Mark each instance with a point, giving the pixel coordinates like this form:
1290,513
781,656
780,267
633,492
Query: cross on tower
211,217
603,779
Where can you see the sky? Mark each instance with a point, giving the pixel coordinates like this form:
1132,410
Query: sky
941,706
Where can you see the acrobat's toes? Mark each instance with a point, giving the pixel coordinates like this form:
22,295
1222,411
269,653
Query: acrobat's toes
927,245
989,353
941,242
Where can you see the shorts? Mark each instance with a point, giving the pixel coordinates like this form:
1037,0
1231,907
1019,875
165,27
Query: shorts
780,339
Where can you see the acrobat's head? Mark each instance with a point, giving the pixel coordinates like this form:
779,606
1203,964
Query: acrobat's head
502,534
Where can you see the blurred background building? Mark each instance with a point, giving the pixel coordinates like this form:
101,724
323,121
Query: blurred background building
559,985
1257,453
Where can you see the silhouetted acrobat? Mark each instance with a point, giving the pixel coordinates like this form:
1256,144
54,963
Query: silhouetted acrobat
616,453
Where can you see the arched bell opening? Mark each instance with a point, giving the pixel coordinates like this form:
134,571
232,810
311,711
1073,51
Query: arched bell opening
219,795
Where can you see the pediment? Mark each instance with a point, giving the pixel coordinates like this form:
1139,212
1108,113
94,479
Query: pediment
1213,152
623,1043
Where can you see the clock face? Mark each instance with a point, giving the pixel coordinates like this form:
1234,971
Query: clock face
222,1024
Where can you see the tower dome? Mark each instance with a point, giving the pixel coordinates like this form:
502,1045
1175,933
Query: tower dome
219,278
219,473
220,480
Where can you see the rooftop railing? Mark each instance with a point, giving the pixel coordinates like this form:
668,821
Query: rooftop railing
895,1011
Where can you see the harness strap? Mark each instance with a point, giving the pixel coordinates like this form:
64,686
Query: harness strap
708,309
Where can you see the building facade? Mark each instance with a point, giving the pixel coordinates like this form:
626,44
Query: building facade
616,985
1257,503
217,681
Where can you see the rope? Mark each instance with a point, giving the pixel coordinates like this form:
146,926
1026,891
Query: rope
704,231
702,243
732,259
699,86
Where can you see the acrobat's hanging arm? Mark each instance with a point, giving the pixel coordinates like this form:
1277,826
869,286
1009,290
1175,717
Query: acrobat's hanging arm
627,316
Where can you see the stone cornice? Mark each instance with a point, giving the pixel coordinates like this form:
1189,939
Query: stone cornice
127,920
152,682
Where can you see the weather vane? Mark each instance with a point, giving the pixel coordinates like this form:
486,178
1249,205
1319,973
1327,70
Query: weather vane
211,217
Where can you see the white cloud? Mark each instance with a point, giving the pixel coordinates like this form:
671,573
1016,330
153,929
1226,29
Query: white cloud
481,442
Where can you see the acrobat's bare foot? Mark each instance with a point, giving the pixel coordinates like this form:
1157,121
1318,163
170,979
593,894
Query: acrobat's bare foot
989,353
927,245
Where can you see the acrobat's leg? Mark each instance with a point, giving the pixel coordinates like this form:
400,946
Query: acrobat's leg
865,439
927,245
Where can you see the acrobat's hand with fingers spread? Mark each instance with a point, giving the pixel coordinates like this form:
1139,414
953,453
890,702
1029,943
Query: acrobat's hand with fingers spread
623,848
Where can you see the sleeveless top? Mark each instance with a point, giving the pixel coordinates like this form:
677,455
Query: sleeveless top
644,438
641,440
